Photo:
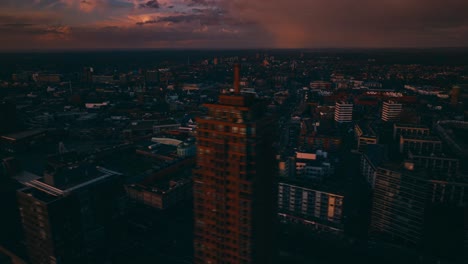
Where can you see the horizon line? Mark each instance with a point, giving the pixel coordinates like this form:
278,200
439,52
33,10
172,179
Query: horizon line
231,49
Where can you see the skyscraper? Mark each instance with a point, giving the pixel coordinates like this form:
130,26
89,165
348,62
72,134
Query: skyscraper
233,182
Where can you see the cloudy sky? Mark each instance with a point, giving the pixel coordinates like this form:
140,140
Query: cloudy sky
123,24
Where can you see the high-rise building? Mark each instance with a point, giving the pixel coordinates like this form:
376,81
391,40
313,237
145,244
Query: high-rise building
152,76
391,111
343,112
455,95
68,217
87,76
398,206
233,182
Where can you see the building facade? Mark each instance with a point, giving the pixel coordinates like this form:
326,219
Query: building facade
233,182
310,206
391,111
70,223
420,144
398,207
343,112
410,130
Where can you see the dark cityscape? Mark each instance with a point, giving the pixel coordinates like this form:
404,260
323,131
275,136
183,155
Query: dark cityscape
233,132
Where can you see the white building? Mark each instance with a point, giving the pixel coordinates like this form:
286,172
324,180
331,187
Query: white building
343,112
391,111
309,206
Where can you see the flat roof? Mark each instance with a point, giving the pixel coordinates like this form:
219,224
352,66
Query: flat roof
23,134
48,193
411,126
420,137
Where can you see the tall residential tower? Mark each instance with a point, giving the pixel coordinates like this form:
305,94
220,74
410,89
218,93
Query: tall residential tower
233,183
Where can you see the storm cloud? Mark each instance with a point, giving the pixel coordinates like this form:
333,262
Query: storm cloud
27,24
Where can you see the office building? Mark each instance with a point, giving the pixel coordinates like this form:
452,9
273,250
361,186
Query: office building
233,182
398,206
409,130
68,217
420,144
310,206
343,112
391,111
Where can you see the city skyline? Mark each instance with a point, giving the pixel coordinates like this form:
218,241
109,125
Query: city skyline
159,24
241,156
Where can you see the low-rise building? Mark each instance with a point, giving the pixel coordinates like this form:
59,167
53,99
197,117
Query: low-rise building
161,194
410,130
365,135
311,206
420,144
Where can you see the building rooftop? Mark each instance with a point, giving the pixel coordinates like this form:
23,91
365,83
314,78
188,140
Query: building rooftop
420,137
161,186
23,135
410,126
40,195
376,153
80,178
329,185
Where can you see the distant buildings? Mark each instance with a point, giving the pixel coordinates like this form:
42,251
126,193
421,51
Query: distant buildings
343,112
455,95
47,78
87,75
320,85
152,76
